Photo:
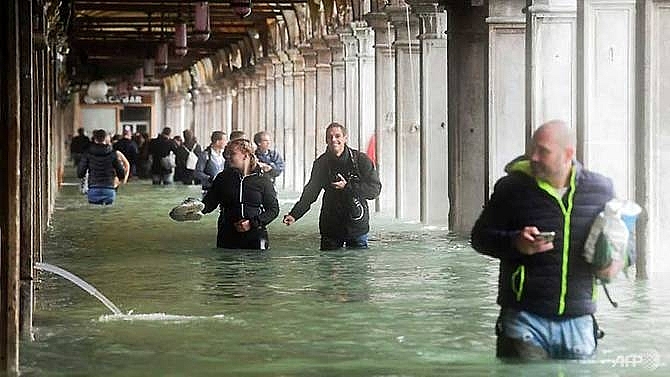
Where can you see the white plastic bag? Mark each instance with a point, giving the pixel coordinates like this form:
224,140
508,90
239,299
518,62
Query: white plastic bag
608,238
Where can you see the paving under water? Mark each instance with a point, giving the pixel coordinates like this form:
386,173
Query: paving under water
419,302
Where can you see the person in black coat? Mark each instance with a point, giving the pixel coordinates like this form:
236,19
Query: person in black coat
349,179
246,198
159,148
128,147
545,287
102,164
79,145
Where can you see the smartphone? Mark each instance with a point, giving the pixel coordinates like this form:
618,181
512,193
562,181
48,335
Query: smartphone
545,236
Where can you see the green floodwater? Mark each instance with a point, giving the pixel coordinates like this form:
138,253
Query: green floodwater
419,302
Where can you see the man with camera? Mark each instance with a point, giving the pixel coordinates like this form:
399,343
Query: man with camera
349,179
536,223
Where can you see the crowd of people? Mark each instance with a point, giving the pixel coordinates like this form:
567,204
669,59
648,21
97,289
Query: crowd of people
535,222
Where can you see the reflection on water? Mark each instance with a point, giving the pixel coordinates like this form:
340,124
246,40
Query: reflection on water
419,302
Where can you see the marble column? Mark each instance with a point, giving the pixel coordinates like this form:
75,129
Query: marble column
261,83
551,84
408,132
270,102
240,100
434,151
338,83
384,109
653,135
287,148
311,125
324,93
507,133
280,111
246,118
351,86
607,93
468,50
297,161
228,94
365,103
254,106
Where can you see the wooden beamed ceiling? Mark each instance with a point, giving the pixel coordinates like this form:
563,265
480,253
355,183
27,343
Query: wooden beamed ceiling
109,39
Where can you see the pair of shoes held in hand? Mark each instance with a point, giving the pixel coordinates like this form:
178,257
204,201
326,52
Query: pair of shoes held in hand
189,210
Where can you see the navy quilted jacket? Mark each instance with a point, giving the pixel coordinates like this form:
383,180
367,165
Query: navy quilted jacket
558,282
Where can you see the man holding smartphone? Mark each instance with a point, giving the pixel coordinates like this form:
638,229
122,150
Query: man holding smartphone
349,179
545,288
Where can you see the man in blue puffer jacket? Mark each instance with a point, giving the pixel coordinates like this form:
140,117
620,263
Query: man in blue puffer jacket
545,287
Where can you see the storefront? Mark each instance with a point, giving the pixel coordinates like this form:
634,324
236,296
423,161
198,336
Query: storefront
113,113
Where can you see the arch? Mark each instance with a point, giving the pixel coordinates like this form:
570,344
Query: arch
292,30
303,22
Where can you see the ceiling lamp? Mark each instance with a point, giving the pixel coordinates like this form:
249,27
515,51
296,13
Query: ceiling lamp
180,39
138,79
161,61
97,90
241,8
149,64
201,30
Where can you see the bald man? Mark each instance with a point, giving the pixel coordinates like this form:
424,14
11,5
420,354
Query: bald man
545,287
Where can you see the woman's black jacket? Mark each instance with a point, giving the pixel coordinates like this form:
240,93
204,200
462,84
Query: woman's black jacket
252,197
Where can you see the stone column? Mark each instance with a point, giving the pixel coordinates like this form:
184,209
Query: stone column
385,109
287,148
607,93
280,111
254,106
297,159
434,114
228,94
246,118
311,124
551,60
270,103
219,118
468,50
324,93
653,135
240,100
351,86
262,93
234,107
338,78
507,133
407,112
365,103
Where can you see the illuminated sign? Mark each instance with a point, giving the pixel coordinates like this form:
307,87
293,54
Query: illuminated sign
121,99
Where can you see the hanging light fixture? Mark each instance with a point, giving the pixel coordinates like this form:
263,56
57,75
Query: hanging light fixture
138,79
242,8
201,30
161,61
148,68
180,39
97,89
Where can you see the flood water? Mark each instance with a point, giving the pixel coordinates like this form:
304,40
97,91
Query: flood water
419,302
